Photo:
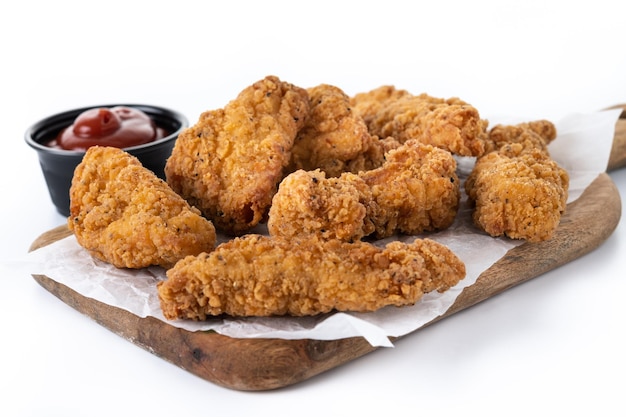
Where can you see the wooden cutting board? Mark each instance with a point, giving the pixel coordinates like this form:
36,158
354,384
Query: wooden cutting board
263,364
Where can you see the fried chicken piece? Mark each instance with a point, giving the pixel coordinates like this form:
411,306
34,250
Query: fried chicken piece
257,275
370,103
123,214
230,162
531,135
450,124
517,189
333,138
416,190
309,202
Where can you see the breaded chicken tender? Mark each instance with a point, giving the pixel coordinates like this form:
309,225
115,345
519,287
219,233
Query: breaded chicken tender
334,139
230,162
517,189
256,275
450,124
123,214
416,190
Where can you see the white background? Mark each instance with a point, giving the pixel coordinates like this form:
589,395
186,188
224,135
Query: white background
552,346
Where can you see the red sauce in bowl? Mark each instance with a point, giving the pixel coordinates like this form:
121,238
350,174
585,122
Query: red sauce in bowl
119,126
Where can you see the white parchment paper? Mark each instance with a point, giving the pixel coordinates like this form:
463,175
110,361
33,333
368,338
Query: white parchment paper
582,147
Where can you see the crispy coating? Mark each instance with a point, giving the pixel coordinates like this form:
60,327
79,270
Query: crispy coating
230,162
517,189
416,190
531,135
122,213
309,202
370,103
450,124
334,139
257,275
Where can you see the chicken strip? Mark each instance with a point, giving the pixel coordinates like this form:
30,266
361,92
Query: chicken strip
257,275
517,189
333,138
416,190
230,162
450,124
123,214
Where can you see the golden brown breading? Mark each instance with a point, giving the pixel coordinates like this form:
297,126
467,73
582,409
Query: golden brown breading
416,190
517,189
309,202
450,124
368,104
122,213
230,162
333,138
268,276
531,135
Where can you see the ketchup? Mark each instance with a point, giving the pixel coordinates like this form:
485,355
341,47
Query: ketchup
119,126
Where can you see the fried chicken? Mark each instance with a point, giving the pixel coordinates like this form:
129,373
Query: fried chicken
256,275
310,202
450,124
122,213
230,162
416,190
334,139
517,189
531,135
369,104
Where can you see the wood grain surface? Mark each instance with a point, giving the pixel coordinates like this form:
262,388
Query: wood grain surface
264,364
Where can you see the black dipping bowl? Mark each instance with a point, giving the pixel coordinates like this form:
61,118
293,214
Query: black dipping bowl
58,164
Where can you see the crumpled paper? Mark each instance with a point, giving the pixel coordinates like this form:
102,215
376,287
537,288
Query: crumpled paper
582,147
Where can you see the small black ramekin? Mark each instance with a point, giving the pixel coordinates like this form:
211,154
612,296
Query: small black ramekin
58,164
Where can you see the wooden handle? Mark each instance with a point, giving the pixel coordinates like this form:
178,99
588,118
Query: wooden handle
617,158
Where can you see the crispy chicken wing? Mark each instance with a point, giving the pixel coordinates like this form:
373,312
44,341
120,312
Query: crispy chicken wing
122,213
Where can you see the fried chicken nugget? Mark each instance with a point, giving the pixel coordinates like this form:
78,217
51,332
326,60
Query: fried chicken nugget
334,139
450,124
123,214
333,207
230,162
532,135
416,190
369,104
257,275
517,189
